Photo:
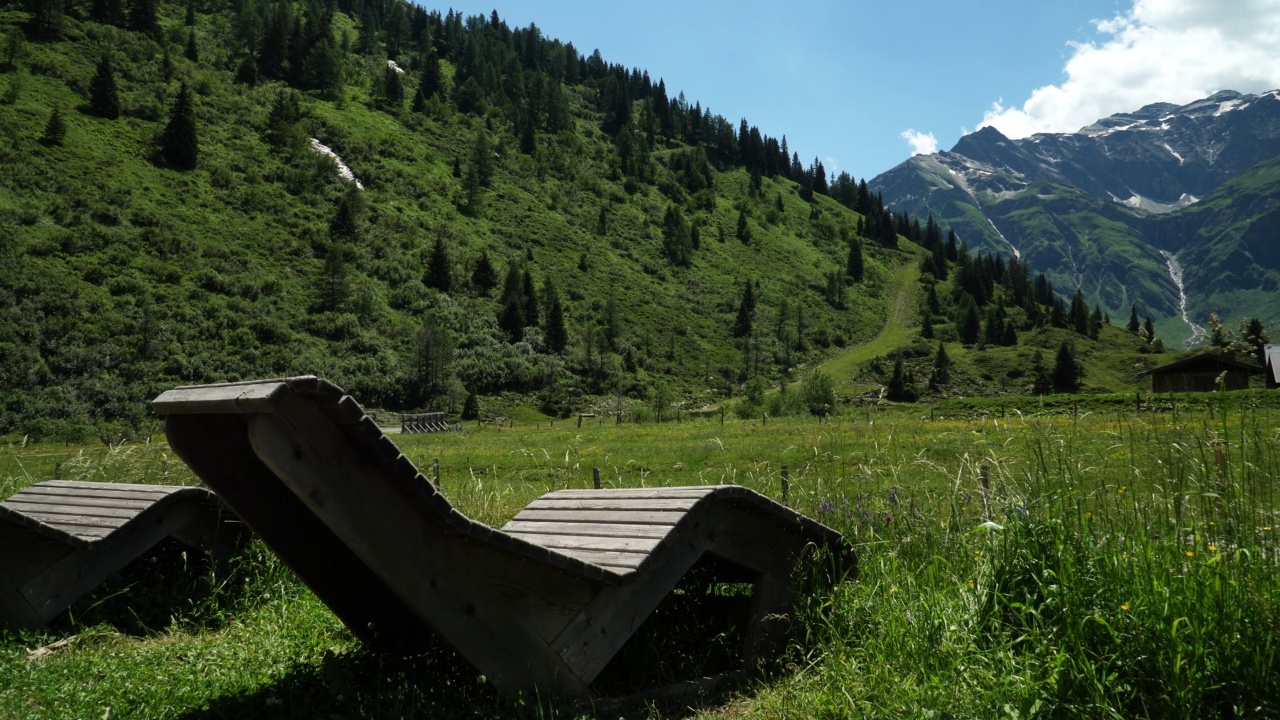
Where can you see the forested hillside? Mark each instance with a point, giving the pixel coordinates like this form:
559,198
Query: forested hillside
518,215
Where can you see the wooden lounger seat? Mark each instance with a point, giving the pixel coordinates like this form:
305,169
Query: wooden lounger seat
61,539
544,602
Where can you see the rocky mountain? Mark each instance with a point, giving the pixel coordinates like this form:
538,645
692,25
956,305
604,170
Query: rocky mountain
1121,207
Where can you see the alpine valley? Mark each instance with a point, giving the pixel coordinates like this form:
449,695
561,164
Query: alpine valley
1174,209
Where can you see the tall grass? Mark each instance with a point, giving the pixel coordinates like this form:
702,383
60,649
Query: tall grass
1110,565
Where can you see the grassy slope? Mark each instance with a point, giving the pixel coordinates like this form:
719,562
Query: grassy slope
222,266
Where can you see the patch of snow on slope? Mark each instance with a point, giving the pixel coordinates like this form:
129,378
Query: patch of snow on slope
1171,152
343,171
1229,106
392,64
1198,333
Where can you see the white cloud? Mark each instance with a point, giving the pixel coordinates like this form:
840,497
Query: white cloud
1158,51
921,143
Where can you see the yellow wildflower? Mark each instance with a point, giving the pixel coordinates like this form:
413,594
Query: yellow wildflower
1191,553
1213,548
1125,607
1121,489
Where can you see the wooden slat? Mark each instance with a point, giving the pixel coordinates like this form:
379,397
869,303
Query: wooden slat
585,528
49,509
603,516
36,490
621,504
612,559
113,487
84,532
78,502
62,521
673,492
254,397
590,542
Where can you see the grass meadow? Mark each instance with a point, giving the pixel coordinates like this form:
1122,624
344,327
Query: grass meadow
1113,564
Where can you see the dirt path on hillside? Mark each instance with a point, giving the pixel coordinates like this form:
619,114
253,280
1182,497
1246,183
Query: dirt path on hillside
894,334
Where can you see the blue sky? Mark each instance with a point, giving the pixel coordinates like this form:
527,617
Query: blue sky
844,80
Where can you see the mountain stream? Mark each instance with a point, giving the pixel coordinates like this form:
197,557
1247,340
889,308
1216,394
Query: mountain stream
1198,333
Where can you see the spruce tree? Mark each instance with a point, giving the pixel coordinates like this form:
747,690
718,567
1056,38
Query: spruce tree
439,267
1066,372
855,267
392,90
941,368
744,230
554,330
178,144
107,12
484,277
142,15
901,387
192,50
529,299
1134,323
1079,316
335,287
55,129
46,18
746,312
1041,379
471,407
104,99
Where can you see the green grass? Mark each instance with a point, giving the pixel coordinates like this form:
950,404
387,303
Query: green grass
1134,572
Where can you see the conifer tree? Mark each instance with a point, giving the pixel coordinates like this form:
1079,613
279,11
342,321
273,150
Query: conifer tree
746,312
190,20
55,129
484,277
1134,323
1041,379
968,323
855,267
439,267
46,18
941,368
192,50
392,90
926,324
554,329
104,99
142,15
1150,327
901,388
107,12
744,230
1066,371
530,299
178,143
335,289
1079,317
471,407
346,219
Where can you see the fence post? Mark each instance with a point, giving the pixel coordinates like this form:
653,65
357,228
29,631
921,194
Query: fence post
435,470
985,472
579,421
786,482
1137,401
595,477
57,471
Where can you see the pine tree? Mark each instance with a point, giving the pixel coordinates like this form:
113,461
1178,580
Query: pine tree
855,267
392,97
55,129
104,100
969,323
471,407
439,268
335,289
554,330
926,324
1134,324
192,50
46,18
901,387
1079,316
190,20
178,144
530,299
744,230
346,219
107,12
746,312
1150,327
484,277
142,15
1066,372
1041,380
941,368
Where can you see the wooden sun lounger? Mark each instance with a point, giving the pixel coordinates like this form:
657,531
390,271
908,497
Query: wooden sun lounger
544,603
61,539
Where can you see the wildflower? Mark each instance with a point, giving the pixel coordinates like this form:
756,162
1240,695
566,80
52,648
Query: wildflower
1125,607
1213,548
1191,553
888,517
1121,489
1267,528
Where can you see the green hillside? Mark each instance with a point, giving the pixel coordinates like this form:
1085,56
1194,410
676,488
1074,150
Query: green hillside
518,217
124,274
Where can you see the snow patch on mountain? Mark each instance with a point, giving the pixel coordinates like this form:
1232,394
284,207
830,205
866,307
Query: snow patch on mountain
1198,333
1174,153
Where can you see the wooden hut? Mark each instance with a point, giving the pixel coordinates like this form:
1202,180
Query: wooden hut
1200,373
